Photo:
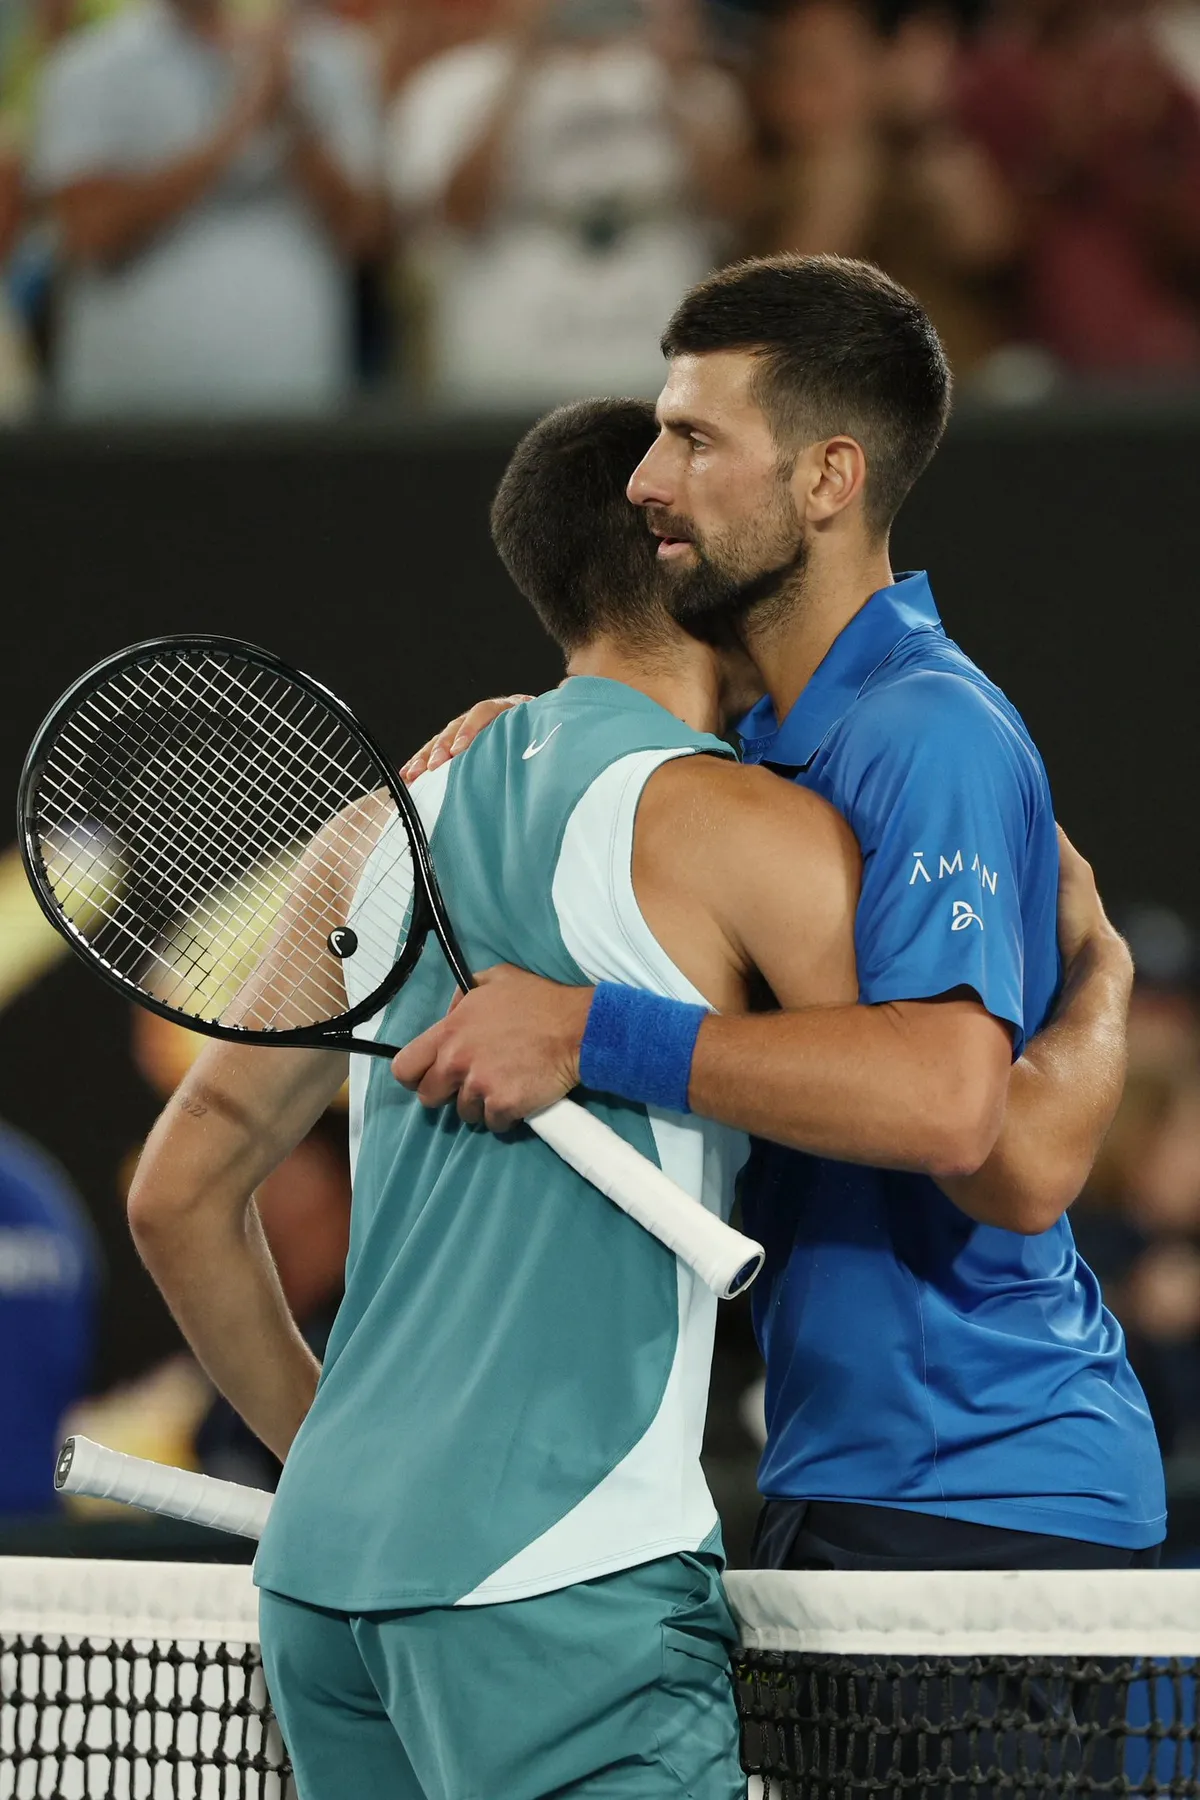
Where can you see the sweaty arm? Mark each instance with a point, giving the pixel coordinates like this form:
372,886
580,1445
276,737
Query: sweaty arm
238,1113
907,1085
868,1084
955,829
915,1079
898,1086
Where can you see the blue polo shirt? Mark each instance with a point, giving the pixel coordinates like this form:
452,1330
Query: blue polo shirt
914,1358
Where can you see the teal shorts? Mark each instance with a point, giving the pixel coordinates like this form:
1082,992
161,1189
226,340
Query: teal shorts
618,1688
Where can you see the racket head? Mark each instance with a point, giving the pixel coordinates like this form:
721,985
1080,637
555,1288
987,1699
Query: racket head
183,814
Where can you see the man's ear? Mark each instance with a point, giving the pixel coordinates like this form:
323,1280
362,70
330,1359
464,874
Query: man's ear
829,477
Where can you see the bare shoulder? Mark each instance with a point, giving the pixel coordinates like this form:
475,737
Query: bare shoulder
748,810
752,855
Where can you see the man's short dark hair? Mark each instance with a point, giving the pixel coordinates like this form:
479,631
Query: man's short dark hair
840,348
574,545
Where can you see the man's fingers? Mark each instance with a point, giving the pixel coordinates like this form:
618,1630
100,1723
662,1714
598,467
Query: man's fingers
417,765
459,734
497,972
1069,856
411,1064
438,1087
470,1105
499,1118
429,1068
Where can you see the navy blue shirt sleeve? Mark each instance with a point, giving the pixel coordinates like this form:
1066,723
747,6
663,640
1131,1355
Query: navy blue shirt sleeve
941,796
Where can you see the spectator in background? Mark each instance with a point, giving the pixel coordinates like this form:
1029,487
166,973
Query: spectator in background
566,179
403,35
211,193
29,32
1099,140
1138,1224
1175,25
49,1274
863,157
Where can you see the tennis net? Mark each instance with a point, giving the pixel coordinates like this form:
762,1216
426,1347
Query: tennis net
968,1686
136,1681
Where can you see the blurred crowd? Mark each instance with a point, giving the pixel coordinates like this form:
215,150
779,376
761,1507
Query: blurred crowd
1138,1224
221,207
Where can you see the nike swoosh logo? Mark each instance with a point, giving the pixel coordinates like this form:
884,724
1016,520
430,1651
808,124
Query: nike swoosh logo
532,749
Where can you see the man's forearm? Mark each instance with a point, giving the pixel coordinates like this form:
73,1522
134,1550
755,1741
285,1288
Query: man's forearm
1062,1098
889,1086
216,1273
238,1113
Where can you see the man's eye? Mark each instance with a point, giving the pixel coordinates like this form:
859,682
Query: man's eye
697,443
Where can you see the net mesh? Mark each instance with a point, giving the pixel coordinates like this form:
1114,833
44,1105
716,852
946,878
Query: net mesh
965,1686
201,822
137,1681
134,1682
839,1726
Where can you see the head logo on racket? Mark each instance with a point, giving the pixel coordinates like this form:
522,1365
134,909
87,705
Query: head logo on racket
342,941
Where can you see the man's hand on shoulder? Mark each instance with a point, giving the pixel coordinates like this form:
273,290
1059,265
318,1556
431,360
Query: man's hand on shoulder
507,1049
458,735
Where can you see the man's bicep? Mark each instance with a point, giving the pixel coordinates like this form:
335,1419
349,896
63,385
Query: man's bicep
797,887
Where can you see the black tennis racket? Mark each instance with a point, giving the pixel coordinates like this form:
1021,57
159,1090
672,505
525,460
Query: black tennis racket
215,834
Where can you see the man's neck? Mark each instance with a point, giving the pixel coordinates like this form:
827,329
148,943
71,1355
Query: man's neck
790,645
685,678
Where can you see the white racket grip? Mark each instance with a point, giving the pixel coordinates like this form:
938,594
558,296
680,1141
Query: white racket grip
84,1467
724,1260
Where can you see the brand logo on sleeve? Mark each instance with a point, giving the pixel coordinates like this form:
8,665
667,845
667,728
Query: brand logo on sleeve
964,915
952,865
532,749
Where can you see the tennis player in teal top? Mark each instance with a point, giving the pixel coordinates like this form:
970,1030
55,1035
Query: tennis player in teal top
493,1566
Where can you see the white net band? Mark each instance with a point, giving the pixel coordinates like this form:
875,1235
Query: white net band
1069,1612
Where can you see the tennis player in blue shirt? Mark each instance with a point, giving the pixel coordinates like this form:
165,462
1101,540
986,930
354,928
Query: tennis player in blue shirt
944,1385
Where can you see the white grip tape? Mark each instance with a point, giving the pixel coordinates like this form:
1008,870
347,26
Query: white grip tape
724,1260
88,1468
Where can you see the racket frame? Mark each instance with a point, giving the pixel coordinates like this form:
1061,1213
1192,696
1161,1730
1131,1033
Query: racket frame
429,906
725,1260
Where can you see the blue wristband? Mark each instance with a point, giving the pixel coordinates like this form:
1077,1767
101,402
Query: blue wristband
640,1046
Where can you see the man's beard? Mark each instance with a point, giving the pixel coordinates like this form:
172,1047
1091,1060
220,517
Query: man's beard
730,590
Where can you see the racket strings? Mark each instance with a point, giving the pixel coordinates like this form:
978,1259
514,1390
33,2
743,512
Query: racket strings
175,893
228,773
143,792
238,804
206,817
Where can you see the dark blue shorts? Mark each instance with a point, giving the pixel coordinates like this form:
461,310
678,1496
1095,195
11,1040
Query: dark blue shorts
839,1534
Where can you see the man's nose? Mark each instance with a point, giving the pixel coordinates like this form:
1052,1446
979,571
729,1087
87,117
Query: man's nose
648,485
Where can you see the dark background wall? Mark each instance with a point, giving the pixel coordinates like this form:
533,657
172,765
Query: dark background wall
1061,543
